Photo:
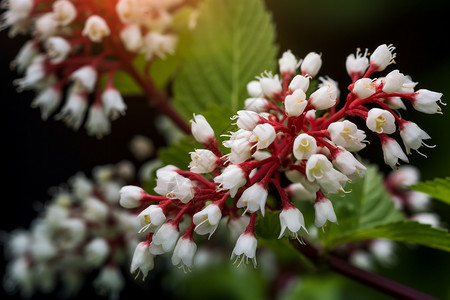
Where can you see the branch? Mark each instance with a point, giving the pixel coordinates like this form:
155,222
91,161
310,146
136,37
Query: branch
373,280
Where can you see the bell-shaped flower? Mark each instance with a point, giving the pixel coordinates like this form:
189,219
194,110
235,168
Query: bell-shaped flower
207,220
324,211
96,251
95,210
304,146
131,37
45,26
253,198
392,152
311,64
347,135
295,103
245,249
86,77
240,150
263,135
254,89
232,178
364,88
158,44
257,104
73,111
172,185
247,119
291,219
299,82
396,82
166,236
202,161
270,85
357,64
97,122
324,97
142,261
58,49
382,57
151,218
380,121
426,101
48,100
348,164
96,28
64,12
412,136
131,196
320,169
201,130
288,63
113,103
183,254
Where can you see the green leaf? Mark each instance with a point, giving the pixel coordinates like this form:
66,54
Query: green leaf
439,188
410,232
232,43
367,206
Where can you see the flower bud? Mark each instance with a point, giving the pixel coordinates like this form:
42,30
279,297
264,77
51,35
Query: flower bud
131,196
288,63
254,89
311,64
270,85
201,130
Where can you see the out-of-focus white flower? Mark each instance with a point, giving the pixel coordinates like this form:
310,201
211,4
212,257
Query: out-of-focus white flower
113,103
96,28
64,12
157,44
97,122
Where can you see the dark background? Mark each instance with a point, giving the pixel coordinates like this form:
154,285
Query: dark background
38,155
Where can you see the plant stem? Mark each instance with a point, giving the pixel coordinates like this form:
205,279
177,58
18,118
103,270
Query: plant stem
373,280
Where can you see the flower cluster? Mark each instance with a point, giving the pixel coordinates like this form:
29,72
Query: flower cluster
285,132
77,47
83,230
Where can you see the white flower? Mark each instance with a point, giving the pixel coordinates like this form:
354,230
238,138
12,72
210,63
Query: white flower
151,218
58,49
263,135
94,210
34,74
72,233
324,98
347,135
382,57
48,100
304,146
427,218
110,280
297,191
142,261
256,104
202,161
43,249
295,103
254,89
292,220
85,76
166,236
412,136
46,26
131,37
324,212
396,82
425,101
380,121
311,64
201,130
320,169
25,55
364,88
82,186
348,164
113,103
207,220
247,119
270,85
130,196
16,16
175,186
232,178
73,111
299,82
96,28
64,12
184,252
97,122
253,198
237,225
157,44
288,63
383,250
96,251
392,152
357,64
20,273
241,150
245,248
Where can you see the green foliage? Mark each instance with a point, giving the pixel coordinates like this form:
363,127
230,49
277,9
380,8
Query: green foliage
367,206
439,188
232,43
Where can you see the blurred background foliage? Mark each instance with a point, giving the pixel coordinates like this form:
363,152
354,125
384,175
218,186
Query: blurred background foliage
45,154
